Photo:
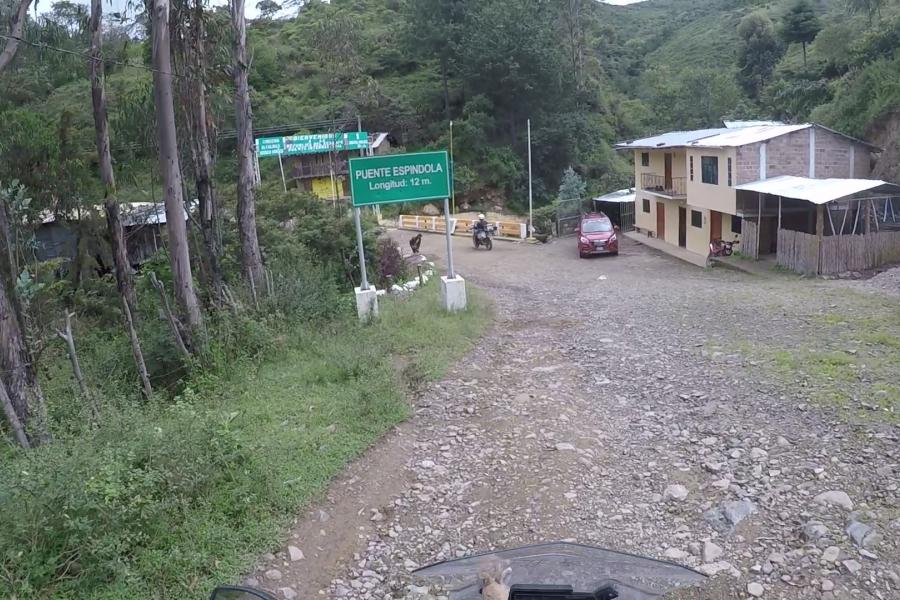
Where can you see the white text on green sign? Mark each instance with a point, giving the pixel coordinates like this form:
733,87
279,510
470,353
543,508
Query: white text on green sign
413,177
320,143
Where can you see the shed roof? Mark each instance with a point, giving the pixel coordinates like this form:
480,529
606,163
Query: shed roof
621,196
818,191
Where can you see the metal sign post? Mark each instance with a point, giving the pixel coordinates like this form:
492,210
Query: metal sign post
450,272
364,285
281,166
416,177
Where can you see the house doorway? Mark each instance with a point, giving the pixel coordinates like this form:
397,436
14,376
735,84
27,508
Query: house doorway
668,171
715,225
682,226
660,221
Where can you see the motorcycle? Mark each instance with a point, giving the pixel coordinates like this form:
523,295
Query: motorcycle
554,571
482,237
722,248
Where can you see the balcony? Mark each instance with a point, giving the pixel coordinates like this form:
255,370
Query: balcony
303,170
672,187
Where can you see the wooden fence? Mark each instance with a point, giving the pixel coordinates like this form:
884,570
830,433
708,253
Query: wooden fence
749,240
838,254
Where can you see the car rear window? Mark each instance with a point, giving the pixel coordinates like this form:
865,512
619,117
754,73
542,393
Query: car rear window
596,226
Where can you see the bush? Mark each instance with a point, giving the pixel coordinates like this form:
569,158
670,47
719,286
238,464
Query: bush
391,266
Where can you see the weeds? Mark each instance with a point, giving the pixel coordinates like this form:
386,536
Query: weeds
176,497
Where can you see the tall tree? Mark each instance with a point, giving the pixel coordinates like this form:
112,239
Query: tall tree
23,400
433,30
251,258
871,8
758,52
801,25
575,34
190,25
124,280
16,29
170,170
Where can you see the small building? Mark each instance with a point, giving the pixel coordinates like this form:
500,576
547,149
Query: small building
693,187
325,174
144,224
618,206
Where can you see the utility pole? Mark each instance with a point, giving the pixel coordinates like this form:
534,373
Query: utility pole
530,209
452,170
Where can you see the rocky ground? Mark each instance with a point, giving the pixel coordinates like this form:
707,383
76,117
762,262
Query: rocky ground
627,403
886,282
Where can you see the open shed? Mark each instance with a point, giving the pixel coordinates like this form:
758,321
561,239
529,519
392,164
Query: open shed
618,206
821,226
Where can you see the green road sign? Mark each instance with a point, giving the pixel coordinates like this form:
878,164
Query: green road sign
266,147
399,178
318,143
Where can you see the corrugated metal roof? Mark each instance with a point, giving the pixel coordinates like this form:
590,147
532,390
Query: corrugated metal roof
747,135
673,139
739,124
622,196
817,191
727,137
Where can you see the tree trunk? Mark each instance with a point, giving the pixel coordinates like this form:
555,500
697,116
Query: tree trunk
16,367
16,29
124,280
12,418
251,259
202,144
170,170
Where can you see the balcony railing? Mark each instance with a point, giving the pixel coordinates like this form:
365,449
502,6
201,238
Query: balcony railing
306,171
669,186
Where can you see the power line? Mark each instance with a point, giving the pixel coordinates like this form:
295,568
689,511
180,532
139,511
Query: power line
88,57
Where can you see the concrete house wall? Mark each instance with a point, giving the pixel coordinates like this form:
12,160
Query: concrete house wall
721,196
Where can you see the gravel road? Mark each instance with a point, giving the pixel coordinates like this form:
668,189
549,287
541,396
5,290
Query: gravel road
620,402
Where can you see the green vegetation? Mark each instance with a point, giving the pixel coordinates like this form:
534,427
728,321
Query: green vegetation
175,497
853,369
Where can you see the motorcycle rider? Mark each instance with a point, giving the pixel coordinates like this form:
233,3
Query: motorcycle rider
481,224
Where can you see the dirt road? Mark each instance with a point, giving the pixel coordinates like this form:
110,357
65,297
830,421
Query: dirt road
636,403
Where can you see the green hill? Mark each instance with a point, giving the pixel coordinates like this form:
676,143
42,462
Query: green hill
586,73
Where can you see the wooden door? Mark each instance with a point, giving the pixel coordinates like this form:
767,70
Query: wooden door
682,226
660,220
668,171
715,225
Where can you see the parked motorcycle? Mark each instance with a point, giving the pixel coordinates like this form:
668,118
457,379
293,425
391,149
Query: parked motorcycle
482,237
722,248
554,571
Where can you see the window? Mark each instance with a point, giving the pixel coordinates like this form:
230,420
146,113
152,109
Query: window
709,169
697,219
692,168
596,226
729,172
646,205
645,159
735,224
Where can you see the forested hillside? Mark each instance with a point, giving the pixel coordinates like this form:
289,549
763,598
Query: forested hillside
586,73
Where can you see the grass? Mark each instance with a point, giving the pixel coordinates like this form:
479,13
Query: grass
167,501
849,361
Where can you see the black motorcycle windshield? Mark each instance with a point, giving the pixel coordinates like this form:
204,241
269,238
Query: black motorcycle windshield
585,568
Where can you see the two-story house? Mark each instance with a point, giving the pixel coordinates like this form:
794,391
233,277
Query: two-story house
686,182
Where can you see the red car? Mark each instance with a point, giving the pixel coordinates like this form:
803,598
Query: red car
597,235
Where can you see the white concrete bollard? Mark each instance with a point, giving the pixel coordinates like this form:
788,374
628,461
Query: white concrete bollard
366,303
453,293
